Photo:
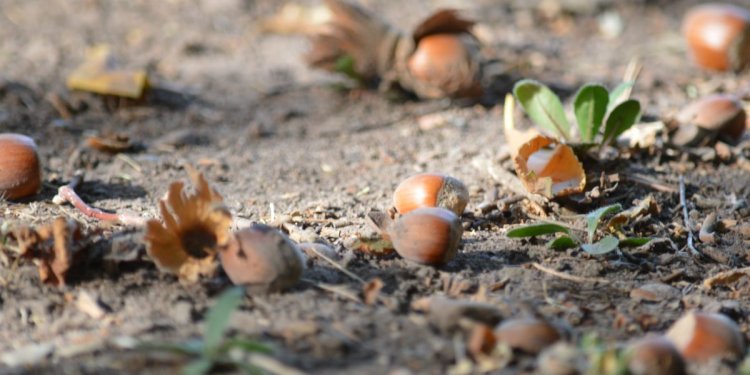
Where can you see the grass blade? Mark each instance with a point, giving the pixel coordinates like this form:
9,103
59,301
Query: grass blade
562,243
634,241
543,106
594,217
604,246
198,367
245,345
537,229
590,106
217,318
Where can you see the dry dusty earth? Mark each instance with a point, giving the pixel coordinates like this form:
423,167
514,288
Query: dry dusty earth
281,141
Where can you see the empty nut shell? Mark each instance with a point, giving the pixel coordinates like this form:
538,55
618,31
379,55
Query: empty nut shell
263,259
20,173
701,122
427,235
718,36
529,335
431,190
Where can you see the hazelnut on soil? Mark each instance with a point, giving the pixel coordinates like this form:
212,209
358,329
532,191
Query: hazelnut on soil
654,355
717,36
20,173
701,122
701,336
427,235
530,335
431,190
263,259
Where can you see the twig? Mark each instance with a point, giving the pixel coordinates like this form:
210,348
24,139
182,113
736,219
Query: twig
686,218
334,290
337,265
632,71
272,365
649,182
68,194
565,276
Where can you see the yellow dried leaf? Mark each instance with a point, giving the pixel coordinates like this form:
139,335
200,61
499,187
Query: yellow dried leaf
195,226
98,74
297,19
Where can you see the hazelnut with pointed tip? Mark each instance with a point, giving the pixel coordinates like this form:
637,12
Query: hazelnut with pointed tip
654,355
431,190
718,36
263,259
20,173
701,336
530,335
715,116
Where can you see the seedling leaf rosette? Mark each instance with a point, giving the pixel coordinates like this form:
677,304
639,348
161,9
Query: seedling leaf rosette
567,236
547,164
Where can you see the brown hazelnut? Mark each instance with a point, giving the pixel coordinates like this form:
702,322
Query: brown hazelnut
446,61
263,259
530,335
701,122
717,36
426,235
20,173
701,336
431,190
654,355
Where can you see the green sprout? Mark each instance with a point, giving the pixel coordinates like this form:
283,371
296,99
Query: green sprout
214,349
569,235
593,107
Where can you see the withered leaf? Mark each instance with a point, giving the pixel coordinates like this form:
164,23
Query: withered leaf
99,74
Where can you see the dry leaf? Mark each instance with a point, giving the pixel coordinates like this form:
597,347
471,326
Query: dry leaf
726,277
647,206
196,225
371,290
544,166
56,248
99,74
372,245
112,144
296,19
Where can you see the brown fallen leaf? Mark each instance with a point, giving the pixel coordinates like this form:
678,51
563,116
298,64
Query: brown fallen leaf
371,291
56,248
726,277
113,144
196,225
646,206
448,314
439,59
99,74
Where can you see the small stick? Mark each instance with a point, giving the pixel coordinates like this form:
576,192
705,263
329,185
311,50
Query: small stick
686,218
632,71
337,265
565,276
272,365
333,289
67,193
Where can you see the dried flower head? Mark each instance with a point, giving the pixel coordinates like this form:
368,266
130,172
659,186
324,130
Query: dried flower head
196,225
56,248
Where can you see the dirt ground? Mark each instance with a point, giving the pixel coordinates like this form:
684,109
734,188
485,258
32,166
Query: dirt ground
277,139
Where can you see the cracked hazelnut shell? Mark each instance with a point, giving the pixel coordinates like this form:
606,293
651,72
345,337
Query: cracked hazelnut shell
20,172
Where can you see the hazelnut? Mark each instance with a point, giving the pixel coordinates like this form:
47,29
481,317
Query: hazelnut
654,355
263,259
446,62
717,36
20,173
701,122
701,336
427,235
431,190
530,335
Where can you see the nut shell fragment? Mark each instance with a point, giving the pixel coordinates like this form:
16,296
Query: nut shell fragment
549,168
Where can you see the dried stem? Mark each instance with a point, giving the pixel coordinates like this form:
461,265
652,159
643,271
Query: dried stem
68,194
338,266
565,276
686,218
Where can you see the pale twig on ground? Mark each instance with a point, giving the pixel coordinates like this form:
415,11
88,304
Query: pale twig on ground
338,266
272,365
68,194
686,218
565,276
335,290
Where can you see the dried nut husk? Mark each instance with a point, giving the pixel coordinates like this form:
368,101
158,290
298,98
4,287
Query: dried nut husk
715,116
530,335
429,235
431,190
263,259
701,336
20,172
654,355
549,168
439,59
718,36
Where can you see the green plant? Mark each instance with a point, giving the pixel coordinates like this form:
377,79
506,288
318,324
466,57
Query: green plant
571,236
214,349
593,107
